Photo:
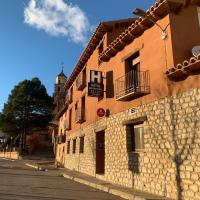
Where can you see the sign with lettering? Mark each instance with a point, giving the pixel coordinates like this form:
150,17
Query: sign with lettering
95,86
95,90
95,76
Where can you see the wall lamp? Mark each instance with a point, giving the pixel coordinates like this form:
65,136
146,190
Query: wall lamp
142,13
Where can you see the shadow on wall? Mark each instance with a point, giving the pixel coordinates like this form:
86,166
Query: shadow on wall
133,163
133,157
179,139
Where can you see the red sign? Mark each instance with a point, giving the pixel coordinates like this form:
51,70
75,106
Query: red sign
100,112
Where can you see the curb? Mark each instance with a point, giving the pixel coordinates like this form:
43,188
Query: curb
111,190
107,189
32,166
36,167
8,159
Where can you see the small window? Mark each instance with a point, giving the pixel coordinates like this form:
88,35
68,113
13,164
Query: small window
81,149
76,106
74,146
83,108
70,118
68,147
71,94
135,137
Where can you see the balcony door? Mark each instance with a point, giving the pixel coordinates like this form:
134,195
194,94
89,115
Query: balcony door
132,70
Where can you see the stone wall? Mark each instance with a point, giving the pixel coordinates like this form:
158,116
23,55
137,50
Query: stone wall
171,155
11,155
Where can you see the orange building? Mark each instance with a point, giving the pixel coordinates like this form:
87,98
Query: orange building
131,111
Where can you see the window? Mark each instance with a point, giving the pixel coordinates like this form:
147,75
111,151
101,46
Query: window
81,148
76,106
84,76
74,146
81,80
135,137
198,11
83,108
68,147
70,119
71,94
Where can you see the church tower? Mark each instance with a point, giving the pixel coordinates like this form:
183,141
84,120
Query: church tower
61,78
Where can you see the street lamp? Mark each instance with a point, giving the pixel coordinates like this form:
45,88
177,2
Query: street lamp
142,13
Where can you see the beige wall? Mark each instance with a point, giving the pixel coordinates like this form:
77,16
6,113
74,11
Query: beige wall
11,155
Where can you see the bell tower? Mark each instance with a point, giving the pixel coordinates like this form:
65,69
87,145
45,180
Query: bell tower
61,78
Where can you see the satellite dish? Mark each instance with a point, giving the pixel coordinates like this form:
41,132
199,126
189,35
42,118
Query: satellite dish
196,51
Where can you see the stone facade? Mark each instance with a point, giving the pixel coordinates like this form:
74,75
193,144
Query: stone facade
171,155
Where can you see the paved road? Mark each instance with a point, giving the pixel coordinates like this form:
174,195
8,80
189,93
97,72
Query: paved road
18,182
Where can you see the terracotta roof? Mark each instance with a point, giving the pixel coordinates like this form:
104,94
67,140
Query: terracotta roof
185,68
97,36
160,9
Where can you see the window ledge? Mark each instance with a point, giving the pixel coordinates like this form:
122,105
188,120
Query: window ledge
135,121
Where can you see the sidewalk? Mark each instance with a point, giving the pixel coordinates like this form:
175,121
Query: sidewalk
123,192
126,193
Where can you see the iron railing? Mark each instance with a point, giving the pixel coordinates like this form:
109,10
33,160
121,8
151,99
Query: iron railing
133,84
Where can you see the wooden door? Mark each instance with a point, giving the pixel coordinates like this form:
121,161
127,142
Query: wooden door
100,152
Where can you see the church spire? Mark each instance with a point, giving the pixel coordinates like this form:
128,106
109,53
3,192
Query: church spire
61,77
62,65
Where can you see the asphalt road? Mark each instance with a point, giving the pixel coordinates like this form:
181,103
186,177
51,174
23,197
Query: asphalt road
18,182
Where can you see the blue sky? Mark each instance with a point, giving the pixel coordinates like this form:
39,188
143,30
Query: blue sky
37,35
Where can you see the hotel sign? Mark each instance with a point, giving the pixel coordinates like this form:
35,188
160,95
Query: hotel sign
95,89
95,86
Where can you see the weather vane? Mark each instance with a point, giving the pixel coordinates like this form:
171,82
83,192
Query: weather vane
62,65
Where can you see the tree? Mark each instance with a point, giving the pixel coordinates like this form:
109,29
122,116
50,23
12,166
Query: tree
28,107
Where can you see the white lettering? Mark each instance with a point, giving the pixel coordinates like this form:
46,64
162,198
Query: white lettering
95,76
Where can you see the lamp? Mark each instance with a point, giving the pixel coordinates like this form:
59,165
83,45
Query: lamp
142,13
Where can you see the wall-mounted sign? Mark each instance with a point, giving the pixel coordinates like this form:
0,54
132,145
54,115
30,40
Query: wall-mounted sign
95,90
96,76
95,86
101,112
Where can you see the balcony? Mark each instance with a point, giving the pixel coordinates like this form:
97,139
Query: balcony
81,81
80,115
68,97
133,85
61,139
67,125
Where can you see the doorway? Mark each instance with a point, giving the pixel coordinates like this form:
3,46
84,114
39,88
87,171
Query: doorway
100,152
